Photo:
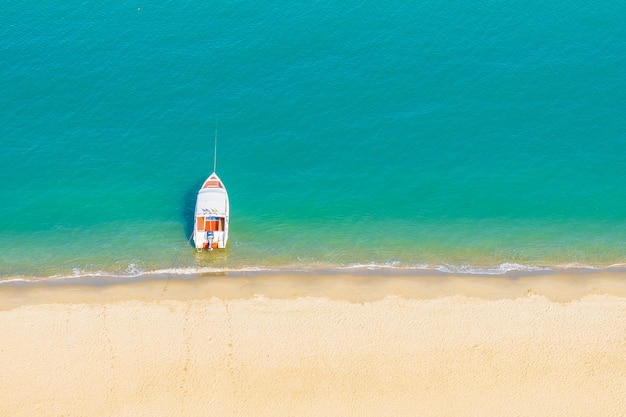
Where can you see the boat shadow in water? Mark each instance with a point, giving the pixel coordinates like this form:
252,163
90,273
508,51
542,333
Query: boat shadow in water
189,206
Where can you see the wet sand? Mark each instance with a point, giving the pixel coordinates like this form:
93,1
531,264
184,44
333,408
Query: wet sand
316,344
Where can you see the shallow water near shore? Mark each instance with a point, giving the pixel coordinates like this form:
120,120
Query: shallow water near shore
458,138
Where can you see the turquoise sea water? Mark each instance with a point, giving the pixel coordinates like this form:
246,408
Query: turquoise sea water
462,136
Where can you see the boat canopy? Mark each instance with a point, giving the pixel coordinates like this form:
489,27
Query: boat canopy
212,201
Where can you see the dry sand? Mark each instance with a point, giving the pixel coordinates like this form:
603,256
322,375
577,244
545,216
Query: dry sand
317,345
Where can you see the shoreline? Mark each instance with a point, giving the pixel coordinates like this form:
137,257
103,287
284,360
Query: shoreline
510,270
316,345
365,285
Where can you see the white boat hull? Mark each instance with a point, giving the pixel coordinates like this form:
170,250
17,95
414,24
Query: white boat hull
211,217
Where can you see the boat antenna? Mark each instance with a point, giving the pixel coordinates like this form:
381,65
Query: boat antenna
215,148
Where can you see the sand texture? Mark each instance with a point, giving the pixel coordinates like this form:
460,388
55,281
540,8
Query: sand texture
281,346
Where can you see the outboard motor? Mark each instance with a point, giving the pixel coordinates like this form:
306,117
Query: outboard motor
209,238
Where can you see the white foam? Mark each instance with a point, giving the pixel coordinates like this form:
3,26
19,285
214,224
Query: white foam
134,271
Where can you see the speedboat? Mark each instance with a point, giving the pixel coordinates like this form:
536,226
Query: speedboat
210,229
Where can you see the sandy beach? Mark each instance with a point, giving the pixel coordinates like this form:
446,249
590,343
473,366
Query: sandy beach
319,344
